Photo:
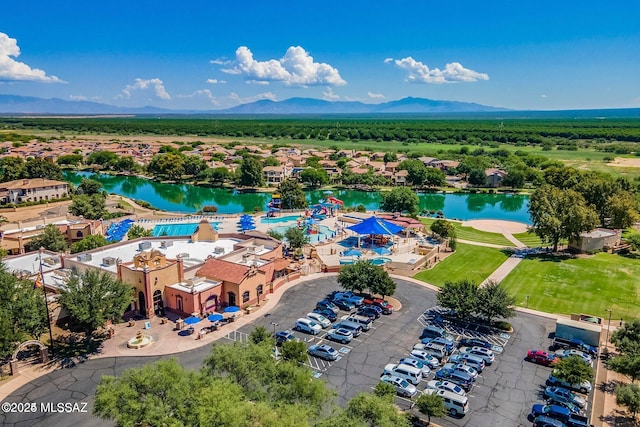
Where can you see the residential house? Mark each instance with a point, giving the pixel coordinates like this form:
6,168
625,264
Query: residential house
274,175
447,166
494,177
400,177
377,156
32,190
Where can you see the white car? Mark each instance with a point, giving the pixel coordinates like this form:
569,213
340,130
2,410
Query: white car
446,385
431,361
483,353
573,352
319,319
425,357
462,367
468,359
424,368
403,387
340,335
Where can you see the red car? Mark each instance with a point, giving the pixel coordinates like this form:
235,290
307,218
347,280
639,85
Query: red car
541,357
379,302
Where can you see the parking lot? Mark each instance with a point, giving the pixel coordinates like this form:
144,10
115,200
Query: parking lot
503,393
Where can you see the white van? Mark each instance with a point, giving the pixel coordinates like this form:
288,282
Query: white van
363,321
406,372
454,403
354,327
308,326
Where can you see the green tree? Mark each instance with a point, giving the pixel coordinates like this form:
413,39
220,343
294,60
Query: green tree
294,351
560,214
314,177
93,241
126,164
40,168
573,370
514,178
629,396
627,364
375,411
90,186
70,159
385,391
276,235
292,195
219,175
296,237
443,228
95,297
477,177
495,301
51,239
102,158
12,168
271,161
137,231
194,165
416,171
622,208
88,206
461,296
390,157
363,275
167,166
251,173
431,405
260,334
627,338
400,199
435,177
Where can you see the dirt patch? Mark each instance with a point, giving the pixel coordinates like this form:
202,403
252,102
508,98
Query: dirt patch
496,226
625,162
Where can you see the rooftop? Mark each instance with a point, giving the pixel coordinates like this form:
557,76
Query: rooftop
29,263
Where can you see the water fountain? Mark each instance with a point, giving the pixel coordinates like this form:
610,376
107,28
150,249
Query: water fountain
139,341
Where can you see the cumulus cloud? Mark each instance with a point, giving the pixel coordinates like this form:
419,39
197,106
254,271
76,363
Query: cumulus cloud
295,68
387,60
141,84
216,81
330,95
453,72
375,95
12,70
543,96
257,82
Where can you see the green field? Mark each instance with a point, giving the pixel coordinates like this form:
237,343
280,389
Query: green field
529,239
468,262
590,285
470,233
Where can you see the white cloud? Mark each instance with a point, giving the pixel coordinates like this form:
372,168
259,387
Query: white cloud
244,100
330,95
543,96
230,100
12,70
155,84
257,82
375,95
296,67
216,81
453,72
387,60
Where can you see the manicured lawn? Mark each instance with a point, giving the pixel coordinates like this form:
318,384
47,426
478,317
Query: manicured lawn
588,285
529,239
470,233
468,262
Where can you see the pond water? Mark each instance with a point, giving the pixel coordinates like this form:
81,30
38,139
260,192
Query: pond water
187,198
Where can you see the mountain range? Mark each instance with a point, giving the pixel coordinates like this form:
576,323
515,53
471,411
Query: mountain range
14,104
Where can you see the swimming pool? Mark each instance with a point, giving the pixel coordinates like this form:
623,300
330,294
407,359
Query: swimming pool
380,261
324,232
278,219
186,229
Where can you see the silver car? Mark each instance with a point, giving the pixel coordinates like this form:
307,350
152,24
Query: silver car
340,335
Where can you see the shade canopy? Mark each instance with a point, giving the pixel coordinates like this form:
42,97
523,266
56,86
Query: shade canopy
215,317
192,320
381,250
374,225
352,252
232,309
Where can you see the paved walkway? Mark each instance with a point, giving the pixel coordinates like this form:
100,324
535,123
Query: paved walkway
503,271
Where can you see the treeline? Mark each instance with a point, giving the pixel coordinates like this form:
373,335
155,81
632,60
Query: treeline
410,130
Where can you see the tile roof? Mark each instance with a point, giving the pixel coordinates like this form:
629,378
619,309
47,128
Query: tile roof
223,270
30,183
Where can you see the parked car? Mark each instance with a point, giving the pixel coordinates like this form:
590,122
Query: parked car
402,386
284,336
340,334
350,296
545,421
541,357
307,325
344,304
468,359
554,411
475,342
409,373
446,385
323,351
575,409
379,302
369,312
428,360
328,305
424,368
573,352
462,379
425,357
319,319
584,387
354,328
486,355
329,314
462,368
561,393
448,344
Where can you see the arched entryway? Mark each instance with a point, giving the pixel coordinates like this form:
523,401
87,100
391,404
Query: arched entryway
26,355
158,304
142,305
232,298
179,305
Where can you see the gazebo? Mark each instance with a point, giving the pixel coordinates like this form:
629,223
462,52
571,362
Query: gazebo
375,226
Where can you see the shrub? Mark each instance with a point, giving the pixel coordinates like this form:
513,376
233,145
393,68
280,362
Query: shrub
210,209
503,326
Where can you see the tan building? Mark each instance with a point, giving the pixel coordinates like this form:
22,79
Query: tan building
596,240
32,190
274,175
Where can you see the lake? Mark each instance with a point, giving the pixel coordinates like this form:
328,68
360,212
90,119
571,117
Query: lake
186,198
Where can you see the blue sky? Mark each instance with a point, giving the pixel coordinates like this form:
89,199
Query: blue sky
212,54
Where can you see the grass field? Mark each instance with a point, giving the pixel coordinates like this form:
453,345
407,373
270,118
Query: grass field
470,233
468,262
584,285
529,239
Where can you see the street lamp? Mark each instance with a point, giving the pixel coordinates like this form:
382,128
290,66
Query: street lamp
274,328
608,327
275,341
527,298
